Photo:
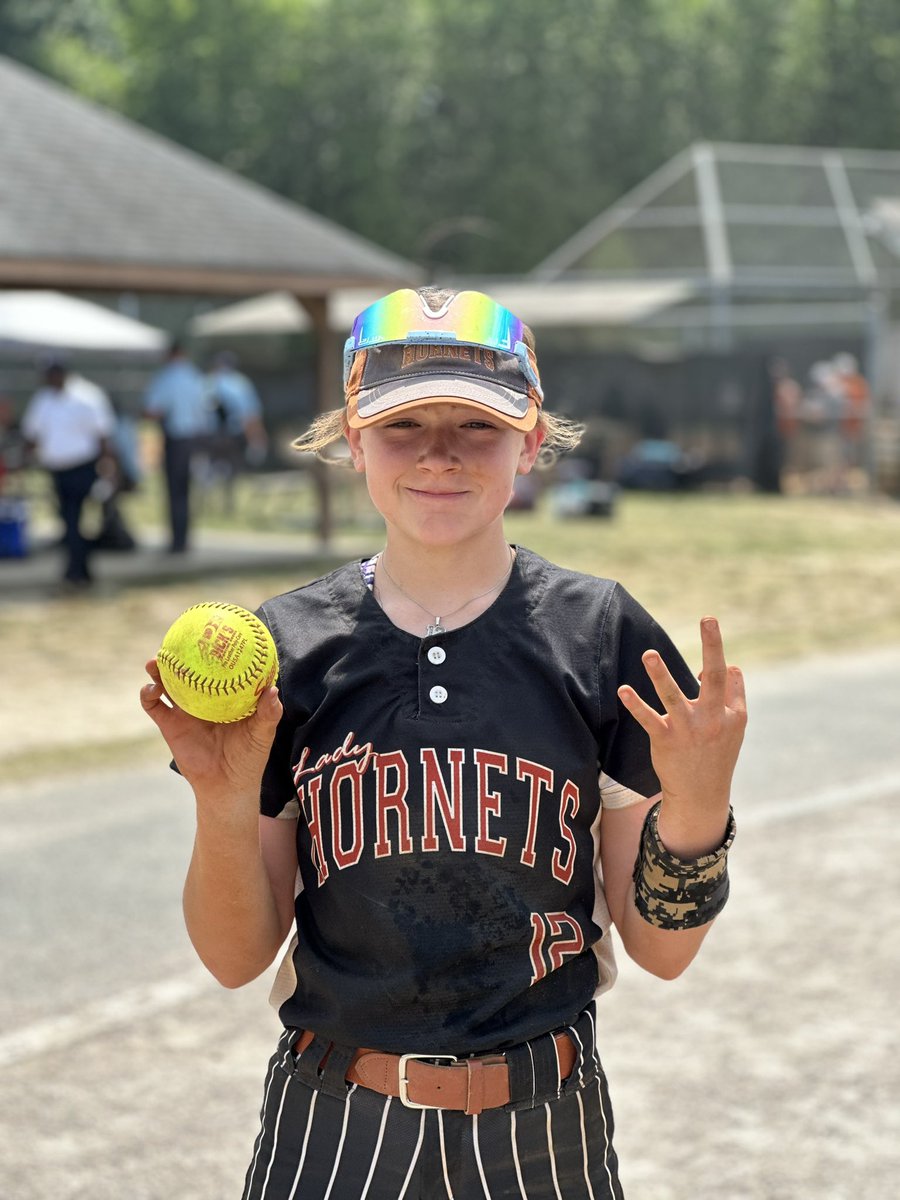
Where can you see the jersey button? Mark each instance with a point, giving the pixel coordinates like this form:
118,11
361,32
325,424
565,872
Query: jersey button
437,654
438,694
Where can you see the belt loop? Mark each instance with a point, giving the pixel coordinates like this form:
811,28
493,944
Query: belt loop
522,1082
475,1089
310,1062
533,1072
334,1071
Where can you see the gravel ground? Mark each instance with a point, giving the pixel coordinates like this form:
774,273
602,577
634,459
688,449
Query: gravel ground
767,1072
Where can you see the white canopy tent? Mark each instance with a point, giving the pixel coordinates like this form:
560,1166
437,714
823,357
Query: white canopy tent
542,304
574,303
271,313
51,321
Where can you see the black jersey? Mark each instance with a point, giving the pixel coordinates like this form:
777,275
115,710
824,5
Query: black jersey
448,796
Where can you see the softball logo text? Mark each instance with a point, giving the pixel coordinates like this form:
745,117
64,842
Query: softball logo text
221,643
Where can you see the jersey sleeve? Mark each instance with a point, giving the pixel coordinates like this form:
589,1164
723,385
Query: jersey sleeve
278,797
626,771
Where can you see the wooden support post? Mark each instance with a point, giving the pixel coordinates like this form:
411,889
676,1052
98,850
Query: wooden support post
329,394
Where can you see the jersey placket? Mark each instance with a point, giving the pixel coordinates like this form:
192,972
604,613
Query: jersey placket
435,689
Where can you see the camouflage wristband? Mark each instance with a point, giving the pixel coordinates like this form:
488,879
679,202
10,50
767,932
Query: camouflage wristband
676,893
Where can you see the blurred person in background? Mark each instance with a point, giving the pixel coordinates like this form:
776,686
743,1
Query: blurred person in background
68,425
13,510
239,436
822,412
176,398
788,401
855,410
7,426
114,533
765,447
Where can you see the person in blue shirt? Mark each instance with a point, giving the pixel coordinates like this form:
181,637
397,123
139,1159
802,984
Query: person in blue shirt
239,437
176,397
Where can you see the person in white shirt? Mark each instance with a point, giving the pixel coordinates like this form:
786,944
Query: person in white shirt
67,426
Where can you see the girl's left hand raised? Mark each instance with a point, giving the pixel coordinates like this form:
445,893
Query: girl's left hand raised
694,745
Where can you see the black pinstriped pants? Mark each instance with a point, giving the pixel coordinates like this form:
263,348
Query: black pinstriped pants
324,1139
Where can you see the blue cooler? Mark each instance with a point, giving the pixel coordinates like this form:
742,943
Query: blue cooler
13,528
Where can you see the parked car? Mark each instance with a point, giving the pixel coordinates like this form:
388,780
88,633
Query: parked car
655,465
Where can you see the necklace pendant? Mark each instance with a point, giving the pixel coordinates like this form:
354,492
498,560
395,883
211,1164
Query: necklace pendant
434,629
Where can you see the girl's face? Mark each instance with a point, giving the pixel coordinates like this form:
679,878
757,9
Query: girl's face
443,473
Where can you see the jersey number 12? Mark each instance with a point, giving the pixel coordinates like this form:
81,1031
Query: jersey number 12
554,936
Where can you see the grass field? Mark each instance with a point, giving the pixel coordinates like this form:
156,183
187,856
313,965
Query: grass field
786,577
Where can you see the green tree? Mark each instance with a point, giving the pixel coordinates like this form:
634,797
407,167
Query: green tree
841,69
196,71
24,25
724,68
473,136
540,116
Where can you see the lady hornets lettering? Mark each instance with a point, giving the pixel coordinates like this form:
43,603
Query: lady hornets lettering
459,790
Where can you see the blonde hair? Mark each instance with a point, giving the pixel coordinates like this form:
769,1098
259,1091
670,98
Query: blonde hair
560,434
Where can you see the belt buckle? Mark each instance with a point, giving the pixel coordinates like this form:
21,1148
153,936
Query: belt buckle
404,1082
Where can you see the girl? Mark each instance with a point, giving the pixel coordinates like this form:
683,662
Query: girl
474,764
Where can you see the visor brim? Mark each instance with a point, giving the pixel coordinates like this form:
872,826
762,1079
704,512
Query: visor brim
389,399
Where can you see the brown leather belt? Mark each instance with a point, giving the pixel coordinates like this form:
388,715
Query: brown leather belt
468,1085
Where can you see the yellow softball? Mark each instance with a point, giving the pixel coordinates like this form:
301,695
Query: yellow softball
216,660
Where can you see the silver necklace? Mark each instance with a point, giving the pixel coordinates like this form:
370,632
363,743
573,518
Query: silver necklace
435,625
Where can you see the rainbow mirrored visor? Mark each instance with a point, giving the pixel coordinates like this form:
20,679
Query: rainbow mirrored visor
468,318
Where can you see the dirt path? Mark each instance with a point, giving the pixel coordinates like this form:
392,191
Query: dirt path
767,1072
